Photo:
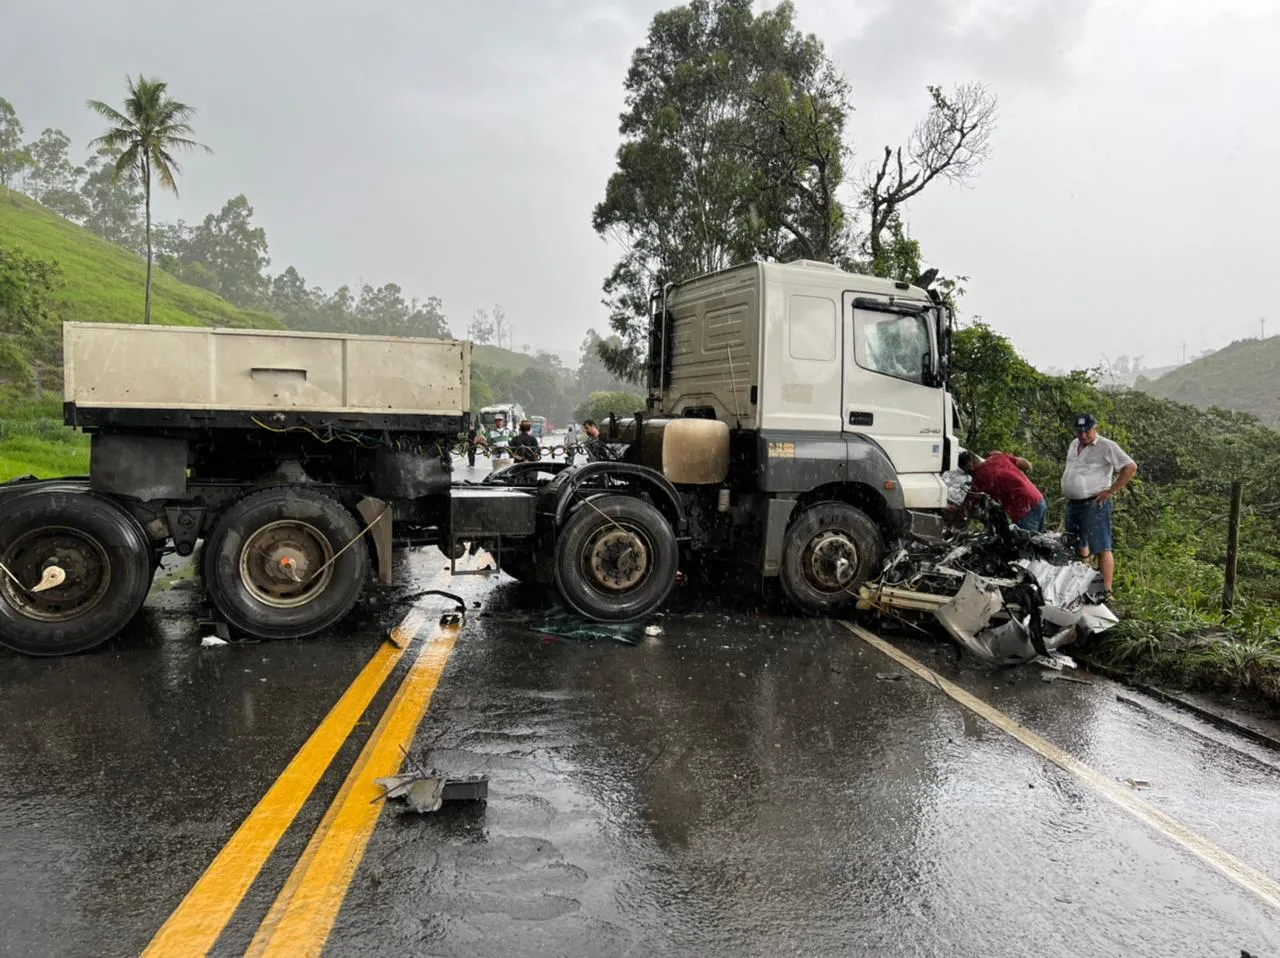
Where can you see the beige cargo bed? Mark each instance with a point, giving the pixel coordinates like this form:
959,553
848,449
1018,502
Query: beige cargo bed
195,369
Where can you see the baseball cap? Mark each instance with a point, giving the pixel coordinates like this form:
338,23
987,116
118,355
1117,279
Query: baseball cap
1085,422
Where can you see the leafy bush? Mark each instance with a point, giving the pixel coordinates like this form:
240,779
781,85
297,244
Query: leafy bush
600,405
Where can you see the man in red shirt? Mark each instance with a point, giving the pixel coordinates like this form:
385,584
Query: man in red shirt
1003,478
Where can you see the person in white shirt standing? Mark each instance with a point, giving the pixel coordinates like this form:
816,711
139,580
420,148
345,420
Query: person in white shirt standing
1097,468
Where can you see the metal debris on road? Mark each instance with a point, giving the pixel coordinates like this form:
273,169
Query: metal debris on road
1060,677
1007,595
426,793
211,641
1056,660
425,790
652,630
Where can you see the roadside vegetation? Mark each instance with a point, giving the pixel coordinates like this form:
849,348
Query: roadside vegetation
33,440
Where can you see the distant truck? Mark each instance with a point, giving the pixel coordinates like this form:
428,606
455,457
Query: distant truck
511,413
797,418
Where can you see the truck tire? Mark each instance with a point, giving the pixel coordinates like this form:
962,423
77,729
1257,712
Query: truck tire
262,559
104,553
829,551
616,559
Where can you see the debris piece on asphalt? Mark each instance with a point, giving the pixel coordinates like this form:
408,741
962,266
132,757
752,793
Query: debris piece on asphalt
425,790
426,793
567,625
889,676
653,630
1136,783
210,641
1060,677
455,599
1056,660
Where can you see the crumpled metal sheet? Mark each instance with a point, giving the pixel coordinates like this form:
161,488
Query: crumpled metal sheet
977,618
1069,591
990,588
958,484
418,792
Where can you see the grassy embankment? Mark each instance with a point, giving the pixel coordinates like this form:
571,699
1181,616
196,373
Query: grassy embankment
98,282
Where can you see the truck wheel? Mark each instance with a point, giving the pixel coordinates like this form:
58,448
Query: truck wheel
829,551
616,559
265,563
104,555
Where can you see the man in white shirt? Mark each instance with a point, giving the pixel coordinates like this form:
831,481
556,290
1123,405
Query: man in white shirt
1097,468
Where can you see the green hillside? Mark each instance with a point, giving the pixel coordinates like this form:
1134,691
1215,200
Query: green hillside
495,357
98,282
104,283
1243,377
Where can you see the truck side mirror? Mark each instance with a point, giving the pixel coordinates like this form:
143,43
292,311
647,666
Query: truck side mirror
928,375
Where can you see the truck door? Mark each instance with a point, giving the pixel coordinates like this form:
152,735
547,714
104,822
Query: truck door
890,361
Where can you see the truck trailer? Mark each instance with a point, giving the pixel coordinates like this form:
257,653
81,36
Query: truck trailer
797,418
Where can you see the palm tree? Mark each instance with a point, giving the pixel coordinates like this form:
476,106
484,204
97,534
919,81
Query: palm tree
151,126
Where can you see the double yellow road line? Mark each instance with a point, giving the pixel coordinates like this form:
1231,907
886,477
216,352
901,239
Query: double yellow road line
303,915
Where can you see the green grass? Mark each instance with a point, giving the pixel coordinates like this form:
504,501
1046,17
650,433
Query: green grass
1173,630
44,458
33,440
106,284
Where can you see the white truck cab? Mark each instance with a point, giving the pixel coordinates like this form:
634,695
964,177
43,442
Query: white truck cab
833,386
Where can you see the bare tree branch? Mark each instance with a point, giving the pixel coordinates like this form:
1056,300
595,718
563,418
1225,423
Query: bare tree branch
950,143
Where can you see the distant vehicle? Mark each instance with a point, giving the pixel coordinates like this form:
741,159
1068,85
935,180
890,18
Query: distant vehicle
539,425
511,412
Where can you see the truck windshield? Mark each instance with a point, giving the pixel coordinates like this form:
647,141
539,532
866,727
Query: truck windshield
893,344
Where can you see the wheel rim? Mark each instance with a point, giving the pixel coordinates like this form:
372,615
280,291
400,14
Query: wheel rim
830,561
616,558
278,563
80,556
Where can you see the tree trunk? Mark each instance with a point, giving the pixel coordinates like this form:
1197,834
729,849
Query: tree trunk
1233,547
875,244
146,177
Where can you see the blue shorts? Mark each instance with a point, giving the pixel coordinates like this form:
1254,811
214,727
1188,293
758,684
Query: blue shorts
1091,522
1033,521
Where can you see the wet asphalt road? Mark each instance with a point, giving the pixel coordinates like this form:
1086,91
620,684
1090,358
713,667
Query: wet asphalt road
742,784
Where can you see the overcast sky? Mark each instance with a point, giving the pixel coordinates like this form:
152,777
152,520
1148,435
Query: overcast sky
458,148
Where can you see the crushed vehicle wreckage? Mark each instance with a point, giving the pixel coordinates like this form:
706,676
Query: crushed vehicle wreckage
1004,594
